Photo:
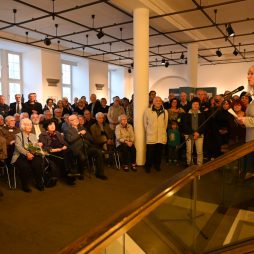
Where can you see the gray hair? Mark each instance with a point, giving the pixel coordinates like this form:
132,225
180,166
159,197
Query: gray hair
99,114
7,118
120,117
23,122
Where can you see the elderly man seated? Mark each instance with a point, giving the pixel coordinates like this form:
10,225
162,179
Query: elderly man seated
80,143
101,132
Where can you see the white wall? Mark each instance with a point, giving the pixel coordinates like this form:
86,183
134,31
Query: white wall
32,73
51,68
118,84
81,79
224,77
98,74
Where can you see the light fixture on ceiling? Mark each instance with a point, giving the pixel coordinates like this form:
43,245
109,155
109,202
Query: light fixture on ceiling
230,30
132,64
235,52
129,70
47,41
100,34
218,53
182,56
166,64
26,36
163,61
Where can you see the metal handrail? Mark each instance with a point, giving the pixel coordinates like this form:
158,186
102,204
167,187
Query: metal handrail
100,237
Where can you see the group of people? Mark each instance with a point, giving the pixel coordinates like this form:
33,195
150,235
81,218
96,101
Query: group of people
61,139
201,126
52,142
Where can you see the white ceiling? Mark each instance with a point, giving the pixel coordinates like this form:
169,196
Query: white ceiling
173,24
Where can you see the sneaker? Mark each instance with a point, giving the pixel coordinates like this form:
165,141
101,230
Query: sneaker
126,168
133,168
102,177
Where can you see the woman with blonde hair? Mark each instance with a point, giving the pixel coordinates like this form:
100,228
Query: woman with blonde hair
248,121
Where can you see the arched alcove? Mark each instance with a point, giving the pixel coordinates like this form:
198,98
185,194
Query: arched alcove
162,85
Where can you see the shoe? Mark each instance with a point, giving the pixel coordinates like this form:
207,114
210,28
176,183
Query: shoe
81,177
26,189
133,168
51,182
126,168
248,176
73,173
157,168
40,187
102,177
70,181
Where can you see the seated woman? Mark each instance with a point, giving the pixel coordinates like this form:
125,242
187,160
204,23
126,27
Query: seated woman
24,159
8,132
53,143
102,133
125,143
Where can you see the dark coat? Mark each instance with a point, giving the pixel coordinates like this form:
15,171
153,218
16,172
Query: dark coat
186,125
46,140
95,108
99,137
75,141
28,107
13,108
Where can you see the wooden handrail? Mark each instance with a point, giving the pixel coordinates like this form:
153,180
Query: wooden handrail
243,246
101,236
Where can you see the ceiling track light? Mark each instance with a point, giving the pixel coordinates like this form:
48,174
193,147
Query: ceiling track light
27,37
53,14
230,30
218,53
14,15
163,61
100,34
235,52
47,41
166,64
129,70
182,56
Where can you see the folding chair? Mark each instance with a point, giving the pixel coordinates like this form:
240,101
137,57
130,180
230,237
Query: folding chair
4,168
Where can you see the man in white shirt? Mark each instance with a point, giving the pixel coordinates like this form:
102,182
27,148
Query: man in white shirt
37,128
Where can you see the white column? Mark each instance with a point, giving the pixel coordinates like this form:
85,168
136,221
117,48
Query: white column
141,77
192,67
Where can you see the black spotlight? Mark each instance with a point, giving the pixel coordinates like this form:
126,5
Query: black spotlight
230,30
129,70
100,34
182,56
163,61
167,64
132,65
218,53
47,41
235,52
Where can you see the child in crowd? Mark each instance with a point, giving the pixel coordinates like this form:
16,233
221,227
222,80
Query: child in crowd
174,138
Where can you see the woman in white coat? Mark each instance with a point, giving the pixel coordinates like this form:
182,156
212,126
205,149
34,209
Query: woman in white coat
155,123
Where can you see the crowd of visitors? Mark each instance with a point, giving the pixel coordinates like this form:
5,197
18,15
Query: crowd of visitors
58,139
